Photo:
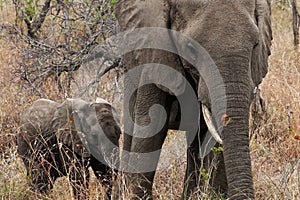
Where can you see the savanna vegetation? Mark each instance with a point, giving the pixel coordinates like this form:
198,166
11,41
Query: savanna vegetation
43,61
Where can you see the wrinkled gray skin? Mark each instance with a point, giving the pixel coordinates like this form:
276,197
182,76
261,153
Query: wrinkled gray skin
51,146
237,35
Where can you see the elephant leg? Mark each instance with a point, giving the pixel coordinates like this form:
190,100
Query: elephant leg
79,178
40,181
191,179
147,142
214,162
104,174
192,175
39,169
120,187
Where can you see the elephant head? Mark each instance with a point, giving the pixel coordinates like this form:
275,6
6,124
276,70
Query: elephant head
96,125
236,38
84,128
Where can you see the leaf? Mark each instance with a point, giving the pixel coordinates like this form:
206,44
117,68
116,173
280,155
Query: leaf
204,174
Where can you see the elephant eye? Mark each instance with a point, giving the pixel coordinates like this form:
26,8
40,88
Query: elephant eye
108,124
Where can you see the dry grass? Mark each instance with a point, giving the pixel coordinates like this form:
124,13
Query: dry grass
275,151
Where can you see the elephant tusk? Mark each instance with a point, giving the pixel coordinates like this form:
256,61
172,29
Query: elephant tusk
210,125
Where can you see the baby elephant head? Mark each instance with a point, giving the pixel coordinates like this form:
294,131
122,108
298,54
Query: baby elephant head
93,128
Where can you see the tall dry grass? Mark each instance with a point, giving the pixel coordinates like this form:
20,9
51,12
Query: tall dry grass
276,147
275,151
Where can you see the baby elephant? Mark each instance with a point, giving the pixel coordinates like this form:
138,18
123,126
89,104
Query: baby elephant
65,140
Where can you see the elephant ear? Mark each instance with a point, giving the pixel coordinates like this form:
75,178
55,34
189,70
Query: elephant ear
65,129
108,120
259,63
90,118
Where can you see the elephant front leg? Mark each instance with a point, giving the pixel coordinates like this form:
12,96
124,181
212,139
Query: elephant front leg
105,175
212,166
140,181
79,178
150,129
191,179
214,163
41,172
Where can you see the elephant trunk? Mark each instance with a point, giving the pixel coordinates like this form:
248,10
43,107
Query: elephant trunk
235,134
236,150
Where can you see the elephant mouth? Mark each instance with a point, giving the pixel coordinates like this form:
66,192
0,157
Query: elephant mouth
211,127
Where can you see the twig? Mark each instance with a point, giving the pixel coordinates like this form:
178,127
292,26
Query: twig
296,23
25,77
115,64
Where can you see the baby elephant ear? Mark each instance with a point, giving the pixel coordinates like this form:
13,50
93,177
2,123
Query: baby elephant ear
105,104
67,134
108,120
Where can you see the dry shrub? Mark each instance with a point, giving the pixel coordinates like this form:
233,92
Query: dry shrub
10,95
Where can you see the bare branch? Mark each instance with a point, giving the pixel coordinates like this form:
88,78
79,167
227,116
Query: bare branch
296,23
60,34
107,68
40,20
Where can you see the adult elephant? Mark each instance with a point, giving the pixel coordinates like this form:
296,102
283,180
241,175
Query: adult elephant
237,36
53,143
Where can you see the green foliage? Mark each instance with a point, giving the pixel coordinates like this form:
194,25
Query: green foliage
1,4
112,6
282,4
221,196
204,174
217,150
113,3
31,9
